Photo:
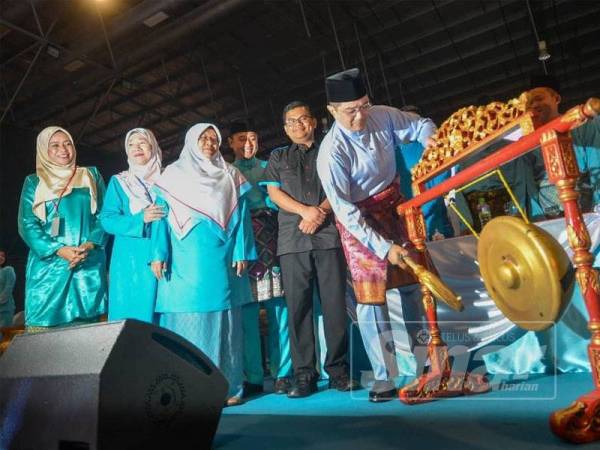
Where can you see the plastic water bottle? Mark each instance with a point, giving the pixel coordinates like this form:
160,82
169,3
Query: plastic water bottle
485,212
264,287
277,285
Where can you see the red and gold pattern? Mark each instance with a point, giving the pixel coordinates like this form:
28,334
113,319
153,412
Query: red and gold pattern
578,238
464,132
415,225
580,422
559,156
441,381
459,137
588,278
579,114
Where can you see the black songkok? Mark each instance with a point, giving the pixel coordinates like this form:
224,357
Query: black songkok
547,81
240,126
345,86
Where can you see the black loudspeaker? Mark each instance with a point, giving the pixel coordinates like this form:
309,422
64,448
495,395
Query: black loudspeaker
111,386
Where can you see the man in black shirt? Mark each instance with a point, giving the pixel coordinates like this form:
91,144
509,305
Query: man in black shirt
310,250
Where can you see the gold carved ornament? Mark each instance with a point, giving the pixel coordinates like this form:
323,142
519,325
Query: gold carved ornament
465,128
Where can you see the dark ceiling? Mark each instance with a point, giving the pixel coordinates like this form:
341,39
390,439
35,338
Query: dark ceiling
96,68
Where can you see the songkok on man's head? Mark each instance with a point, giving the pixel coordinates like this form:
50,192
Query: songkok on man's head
547,81
240,126
345,86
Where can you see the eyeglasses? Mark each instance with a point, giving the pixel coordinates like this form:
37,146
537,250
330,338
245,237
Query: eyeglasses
291,122
354,111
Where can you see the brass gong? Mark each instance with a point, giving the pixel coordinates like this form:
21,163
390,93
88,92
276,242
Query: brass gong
526,272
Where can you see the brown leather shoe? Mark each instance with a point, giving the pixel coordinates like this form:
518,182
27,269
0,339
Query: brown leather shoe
303,386
343,383
282,385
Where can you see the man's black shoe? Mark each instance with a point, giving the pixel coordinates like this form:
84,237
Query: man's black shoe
282,385
343,383
252,389
302,387
383,391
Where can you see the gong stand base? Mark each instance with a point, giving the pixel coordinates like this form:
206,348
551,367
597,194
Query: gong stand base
441,382
580,422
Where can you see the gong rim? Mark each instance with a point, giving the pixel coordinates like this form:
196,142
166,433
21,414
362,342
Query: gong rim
521,266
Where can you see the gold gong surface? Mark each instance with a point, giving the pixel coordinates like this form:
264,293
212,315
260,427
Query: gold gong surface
526,272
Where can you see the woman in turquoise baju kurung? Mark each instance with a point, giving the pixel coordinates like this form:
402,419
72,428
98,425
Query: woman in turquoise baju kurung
127,213
65,279
200,252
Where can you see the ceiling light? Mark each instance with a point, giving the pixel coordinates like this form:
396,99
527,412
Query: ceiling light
544,55
155,19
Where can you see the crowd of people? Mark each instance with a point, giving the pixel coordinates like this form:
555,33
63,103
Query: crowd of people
202,245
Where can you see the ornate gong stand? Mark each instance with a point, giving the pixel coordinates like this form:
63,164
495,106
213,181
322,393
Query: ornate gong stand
465,133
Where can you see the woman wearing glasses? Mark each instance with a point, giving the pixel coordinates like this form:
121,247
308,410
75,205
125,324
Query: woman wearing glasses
65,279
201,252
129,209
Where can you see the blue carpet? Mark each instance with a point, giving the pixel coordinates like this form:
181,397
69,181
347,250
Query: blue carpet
513,416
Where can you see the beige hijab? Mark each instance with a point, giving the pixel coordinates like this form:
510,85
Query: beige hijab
137,182
54,179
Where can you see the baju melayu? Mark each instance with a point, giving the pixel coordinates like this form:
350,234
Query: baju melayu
207,229
265,278
132,287
586,144
355,167
54,294
309,261
7,302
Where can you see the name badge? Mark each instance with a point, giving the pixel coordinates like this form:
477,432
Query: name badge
55,226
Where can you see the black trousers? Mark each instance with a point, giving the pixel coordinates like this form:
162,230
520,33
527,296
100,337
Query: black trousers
300,273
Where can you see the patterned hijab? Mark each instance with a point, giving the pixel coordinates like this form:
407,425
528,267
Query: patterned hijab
57,180
198,187
139,179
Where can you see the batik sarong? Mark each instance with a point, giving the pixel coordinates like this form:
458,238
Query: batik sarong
265,273
371,275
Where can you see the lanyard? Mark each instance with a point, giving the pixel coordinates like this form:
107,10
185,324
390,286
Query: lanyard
60,196
148,196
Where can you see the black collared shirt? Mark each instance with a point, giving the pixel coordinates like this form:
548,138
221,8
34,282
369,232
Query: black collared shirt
294,170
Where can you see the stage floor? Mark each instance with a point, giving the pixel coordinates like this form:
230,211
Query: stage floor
513,416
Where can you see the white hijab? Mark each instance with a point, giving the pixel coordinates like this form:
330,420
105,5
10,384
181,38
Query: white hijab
56,180
139,179
197,187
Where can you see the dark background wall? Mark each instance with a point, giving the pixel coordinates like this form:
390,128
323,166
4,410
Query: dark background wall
17,160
